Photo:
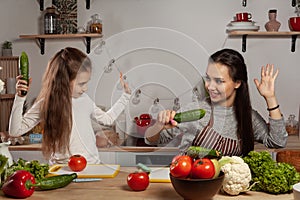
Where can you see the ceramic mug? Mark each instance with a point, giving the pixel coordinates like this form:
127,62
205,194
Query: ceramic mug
243,17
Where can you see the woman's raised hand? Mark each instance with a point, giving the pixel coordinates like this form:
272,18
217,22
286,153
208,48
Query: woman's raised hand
266,86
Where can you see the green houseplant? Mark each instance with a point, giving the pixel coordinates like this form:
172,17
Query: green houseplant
7,48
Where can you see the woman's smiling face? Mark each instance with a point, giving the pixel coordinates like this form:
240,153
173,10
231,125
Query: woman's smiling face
219,84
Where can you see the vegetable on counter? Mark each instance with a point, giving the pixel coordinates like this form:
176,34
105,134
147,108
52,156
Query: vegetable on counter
237,175
37,169
19,184
3,165
190,115
271,176
77,163
139,180
54,182
201,152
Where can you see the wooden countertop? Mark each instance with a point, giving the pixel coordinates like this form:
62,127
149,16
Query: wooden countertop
293,143
116,188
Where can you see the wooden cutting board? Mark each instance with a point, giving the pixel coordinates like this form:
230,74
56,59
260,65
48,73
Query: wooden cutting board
91,171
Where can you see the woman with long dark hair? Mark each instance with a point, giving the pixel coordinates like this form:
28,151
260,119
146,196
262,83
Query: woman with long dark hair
230,125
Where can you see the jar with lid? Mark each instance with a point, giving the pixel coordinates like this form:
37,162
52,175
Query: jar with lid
50,21
292,126
96,25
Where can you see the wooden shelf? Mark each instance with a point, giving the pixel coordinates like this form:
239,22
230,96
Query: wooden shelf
41,38
244,34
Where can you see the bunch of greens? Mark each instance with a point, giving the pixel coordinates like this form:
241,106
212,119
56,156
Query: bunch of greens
37,169
271,176
3,165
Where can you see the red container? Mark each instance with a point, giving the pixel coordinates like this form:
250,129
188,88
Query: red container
294,23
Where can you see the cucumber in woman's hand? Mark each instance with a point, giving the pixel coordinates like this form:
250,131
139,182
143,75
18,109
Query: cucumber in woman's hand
24,69
190,115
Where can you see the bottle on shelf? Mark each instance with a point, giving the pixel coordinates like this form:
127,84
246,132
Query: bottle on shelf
292,126
96,24
50,21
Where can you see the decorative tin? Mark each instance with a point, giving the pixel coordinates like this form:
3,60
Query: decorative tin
67,12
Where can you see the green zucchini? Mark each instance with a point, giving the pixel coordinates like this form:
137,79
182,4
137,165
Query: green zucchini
201,152
24,69
190,115
54,182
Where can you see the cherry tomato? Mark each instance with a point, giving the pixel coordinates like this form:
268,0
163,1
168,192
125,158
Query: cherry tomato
203,168
138,181
181,166
77,163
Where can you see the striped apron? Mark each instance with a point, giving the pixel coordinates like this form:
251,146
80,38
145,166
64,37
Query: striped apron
209,138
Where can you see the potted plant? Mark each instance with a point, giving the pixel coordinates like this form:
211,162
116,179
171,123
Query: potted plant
7,48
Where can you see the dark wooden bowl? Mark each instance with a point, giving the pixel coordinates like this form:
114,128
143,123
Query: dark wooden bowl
194,189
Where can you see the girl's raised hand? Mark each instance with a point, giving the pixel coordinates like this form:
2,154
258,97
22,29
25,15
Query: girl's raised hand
124,84
21,85
266,86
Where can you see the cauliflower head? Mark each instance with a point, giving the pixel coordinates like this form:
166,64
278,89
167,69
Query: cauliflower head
237,175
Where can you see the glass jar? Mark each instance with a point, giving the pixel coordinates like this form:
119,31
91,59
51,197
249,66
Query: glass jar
50,21
96,25
292,126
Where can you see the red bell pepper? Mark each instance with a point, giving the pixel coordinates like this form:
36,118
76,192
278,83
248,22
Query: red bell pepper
19,184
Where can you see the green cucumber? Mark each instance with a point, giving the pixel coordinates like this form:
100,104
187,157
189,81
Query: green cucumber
201,152
24,69
190,115
54,182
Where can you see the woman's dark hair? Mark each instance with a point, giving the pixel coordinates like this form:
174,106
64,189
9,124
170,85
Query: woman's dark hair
242,105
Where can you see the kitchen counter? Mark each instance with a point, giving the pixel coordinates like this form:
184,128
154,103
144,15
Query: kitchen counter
116,188
131,155
293,143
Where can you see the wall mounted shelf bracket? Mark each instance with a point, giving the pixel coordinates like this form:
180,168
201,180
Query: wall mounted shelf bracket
294,38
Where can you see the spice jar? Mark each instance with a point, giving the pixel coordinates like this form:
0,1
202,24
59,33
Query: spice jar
96,26
292,126
50,21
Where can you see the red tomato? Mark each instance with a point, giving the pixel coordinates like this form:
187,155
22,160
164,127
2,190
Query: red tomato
138,181
181,166
203,168
77,163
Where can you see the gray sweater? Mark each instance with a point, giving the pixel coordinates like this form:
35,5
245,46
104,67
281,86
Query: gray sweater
226,125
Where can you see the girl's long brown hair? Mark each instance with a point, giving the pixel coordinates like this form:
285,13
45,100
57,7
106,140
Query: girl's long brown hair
242,104
56,99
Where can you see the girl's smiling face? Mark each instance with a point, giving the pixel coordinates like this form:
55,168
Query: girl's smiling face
219,84
80,84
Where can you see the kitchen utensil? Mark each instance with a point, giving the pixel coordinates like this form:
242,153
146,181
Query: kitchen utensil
193,189
296,191
241,23
243,16
91,170
294,23
242,28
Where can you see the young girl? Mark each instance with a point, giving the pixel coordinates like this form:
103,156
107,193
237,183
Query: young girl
64,110
230,124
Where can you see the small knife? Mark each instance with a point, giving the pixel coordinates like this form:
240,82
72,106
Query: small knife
79,180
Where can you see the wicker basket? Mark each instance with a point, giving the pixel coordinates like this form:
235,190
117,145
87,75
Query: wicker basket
289,156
